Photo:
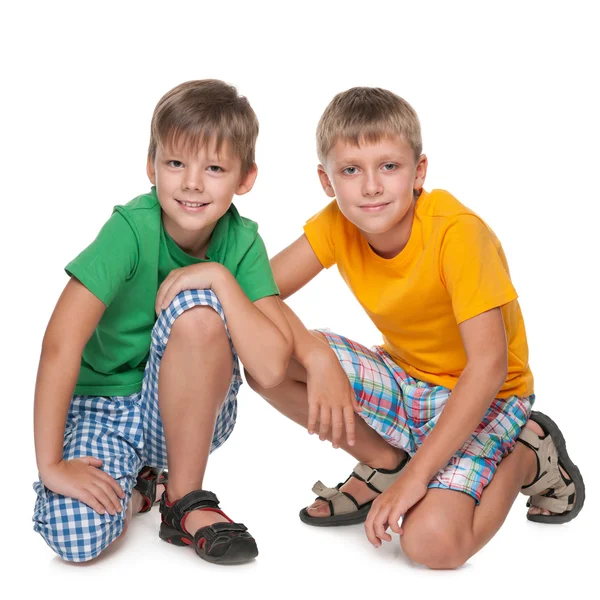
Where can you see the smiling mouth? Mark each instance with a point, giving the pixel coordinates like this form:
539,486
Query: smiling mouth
192,204
374,206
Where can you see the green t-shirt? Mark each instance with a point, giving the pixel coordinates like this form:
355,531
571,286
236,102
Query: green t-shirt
124,267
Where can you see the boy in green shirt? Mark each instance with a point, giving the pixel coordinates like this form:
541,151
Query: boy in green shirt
105,420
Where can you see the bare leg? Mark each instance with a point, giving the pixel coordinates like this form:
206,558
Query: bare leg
446,528
290,399
195,374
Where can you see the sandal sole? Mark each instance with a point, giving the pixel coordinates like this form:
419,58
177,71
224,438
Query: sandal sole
552,429
240,550
353,518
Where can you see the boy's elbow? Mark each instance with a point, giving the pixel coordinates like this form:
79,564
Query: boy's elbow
498,370
276,372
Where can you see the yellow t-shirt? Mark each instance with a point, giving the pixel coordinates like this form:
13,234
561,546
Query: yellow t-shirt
453,268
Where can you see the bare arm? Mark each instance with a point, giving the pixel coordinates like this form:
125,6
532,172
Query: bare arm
259,331
73,321
331,400
484,339
295,266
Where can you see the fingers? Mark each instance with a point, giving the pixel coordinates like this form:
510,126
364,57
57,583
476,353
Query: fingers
349,425
91,460
110,481
376,525
325,420
394,524
105,496
169,288
380,526
313,411
88,498
337,427
370,528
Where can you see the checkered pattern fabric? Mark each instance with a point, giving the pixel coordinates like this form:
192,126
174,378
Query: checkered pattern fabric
404,410
126,433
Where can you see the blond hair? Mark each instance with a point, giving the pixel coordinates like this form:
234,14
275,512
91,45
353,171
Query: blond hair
197,112
364,114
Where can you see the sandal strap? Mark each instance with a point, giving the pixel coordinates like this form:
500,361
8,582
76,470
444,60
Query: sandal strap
547,456
555,505
549,490
211,532
146,486
189,502
340,503
378,479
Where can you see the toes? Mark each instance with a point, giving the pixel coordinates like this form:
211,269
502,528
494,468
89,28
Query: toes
534,510
318,509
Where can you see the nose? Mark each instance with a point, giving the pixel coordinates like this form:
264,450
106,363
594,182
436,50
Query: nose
372,185
192,180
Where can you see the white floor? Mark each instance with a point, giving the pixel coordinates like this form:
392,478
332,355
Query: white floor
265,489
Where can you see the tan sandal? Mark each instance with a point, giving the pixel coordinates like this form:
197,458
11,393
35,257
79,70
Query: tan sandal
550,490
343,507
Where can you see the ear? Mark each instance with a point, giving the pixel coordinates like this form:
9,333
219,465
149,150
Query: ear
150,171
325,181
420,173
247,181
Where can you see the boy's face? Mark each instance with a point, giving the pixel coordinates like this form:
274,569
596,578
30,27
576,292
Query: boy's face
195,188
374,183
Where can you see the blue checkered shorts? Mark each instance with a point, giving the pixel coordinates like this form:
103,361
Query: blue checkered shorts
126,433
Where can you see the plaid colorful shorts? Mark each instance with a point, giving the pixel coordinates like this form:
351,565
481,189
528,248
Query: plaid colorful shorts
126,433
404,410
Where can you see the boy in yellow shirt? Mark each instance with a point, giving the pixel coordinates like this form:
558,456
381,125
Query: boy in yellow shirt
450,388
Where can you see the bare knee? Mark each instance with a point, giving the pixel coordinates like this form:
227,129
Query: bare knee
199,326
431,542
254,385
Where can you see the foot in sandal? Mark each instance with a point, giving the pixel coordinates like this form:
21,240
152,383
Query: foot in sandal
349,502
557,492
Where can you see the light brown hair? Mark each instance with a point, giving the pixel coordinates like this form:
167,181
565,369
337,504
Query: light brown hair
197,112
364,114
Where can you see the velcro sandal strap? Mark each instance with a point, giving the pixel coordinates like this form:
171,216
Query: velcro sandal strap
548,471
555,505
530,438
213,531
378,480
340,502
192,501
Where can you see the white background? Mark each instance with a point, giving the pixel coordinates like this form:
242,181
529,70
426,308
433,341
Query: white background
507,96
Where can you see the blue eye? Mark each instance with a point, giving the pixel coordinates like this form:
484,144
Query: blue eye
215,169
350,171
175,163
389,166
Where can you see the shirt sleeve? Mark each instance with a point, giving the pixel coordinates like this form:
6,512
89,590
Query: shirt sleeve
319,231
109,261
254,274
474,269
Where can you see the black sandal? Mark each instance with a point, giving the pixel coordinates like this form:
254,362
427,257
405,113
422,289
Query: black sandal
221,543
147,480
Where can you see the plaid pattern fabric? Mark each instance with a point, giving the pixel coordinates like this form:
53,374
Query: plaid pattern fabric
404,410
125,433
